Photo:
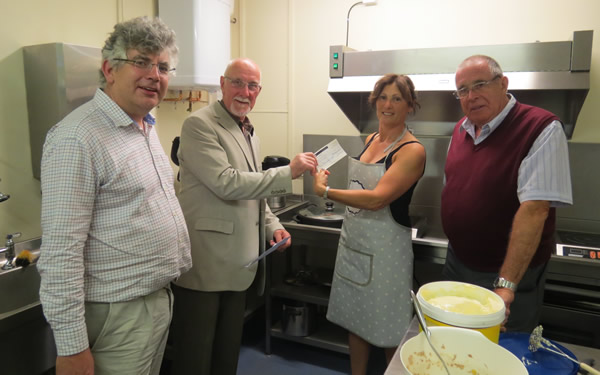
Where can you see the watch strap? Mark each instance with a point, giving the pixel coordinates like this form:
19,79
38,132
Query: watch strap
501,282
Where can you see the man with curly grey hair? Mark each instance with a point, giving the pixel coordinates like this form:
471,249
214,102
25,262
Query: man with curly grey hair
114,236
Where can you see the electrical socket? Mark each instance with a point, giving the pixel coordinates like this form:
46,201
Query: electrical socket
369,2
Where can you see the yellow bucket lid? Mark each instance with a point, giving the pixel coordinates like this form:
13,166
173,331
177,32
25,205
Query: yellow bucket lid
458,289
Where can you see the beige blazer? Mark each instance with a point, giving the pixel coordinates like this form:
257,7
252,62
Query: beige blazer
222,191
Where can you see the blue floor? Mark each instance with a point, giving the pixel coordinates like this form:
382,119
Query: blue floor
291,358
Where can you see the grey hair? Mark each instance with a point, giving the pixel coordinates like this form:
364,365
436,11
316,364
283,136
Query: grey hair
492,64
149,36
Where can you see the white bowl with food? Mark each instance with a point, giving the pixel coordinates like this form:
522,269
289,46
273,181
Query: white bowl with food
465,352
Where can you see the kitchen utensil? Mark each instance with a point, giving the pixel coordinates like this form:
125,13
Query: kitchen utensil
309,276
329,216
274,161
536,341
425,329
298,318
541,362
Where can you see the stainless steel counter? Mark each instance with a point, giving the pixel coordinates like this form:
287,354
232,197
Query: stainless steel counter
427,236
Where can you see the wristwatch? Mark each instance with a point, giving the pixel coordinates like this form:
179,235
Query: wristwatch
501,282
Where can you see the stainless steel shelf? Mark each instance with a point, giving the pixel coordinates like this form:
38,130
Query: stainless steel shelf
316,294
327,336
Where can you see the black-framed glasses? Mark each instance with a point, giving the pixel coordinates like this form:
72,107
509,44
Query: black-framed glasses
239,84
475,88
163,68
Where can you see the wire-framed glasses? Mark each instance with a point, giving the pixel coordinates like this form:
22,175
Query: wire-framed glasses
239,84
163,68
475,88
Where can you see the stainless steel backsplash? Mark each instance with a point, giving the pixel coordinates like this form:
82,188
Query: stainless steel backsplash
583,215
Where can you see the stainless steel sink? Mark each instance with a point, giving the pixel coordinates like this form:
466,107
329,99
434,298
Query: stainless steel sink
19,287
22,322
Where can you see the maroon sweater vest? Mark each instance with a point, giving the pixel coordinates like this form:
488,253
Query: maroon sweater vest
479,199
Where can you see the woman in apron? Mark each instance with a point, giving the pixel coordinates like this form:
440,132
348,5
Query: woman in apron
370,294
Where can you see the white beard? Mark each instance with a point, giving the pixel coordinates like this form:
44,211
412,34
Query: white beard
235,103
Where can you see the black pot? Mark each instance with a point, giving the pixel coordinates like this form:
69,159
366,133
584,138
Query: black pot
323,217
274,161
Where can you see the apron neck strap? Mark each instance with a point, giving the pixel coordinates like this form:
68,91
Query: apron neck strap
397,140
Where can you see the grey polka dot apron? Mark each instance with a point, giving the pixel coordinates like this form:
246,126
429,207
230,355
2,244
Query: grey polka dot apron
370,293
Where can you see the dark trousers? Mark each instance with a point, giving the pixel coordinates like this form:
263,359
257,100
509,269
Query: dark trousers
207,331
525,310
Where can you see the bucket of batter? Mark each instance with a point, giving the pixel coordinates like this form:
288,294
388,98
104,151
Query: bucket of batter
456,304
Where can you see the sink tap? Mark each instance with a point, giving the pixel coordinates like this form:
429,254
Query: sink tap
3,197
9,250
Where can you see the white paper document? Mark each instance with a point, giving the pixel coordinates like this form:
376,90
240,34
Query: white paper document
330,154
273,248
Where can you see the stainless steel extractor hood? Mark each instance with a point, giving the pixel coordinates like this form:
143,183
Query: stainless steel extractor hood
551,75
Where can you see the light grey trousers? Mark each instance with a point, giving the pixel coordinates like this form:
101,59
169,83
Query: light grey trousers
129,337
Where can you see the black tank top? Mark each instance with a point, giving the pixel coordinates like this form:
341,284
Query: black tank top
398,207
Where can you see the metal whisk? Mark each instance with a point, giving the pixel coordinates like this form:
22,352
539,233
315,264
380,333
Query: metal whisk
536,341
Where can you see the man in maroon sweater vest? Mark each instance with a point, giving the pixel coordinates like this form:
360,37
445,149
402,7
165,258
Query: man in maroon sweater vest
506,171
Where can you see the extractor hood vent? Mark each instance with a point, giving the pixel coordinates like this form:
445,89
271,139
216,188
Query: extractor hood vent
59,77
551,75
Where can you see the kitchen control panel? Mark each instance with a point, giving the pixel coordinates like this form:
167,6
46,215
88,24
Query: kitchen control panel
578,245
336,61
578,252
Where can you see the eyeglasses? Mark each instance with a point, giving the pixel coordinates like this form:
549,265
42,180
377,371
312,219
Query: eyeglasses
163,68
239,84
475,88
395,99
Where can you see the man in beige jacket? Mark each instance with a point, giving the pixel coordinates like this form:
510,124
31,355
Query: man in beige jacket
223,191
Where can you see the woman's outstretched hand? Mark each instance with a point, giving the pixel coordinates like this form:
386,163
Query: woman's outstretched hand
320,181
